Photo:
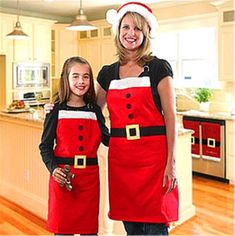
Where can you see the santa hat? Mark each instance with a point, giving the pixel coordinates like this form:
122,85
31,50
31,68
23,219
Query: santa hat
114,16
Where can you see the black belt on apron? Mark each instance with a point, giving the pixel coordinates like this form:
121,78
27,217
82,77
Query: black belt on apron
135,132
78,161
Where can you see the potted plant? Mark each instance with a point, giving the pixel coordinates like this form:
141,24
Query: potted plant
203,95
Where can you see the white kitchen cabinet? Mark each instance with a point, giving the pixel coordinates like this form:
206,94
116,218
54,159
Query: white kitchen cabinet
38,46
91,50
108,51
23,49
227,44
42,42
227,53
6,26
64,45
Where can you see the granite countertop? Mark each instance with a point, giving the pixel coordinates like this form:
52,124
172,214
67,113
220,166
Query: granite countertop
36,116
210,115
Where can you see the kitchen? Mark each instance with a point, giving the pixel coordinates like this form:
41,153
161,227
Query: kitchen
66,43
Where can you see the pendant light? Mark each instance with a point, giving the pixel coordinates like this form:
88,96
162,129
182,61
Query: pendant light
81,23
17,33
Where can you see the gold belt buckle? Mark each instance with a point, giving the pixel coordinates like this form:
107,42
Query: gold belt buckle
134,127
77,158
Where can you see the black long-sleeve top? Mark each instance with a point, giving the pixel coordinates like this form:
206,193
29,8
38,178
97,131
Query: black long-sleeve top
48,138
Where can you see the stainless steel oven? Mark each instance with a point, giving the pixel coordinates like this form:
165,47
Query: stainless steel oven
31,75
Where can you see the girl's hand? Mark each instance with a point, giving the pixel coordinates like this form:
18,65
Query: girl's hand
59,176
169,178
48,107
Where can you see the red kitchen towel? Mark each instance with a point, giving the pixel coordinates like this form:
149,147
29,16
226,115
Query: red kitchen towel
211,139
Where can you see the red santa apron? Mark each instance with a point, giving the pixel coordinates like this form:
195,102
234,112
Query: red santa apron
137,155
78,134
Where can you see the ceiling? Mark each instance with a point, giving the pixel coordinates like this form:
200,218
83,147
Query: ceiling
64,11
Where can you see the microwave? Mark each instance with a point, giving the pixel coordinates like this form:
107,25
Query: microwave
31,74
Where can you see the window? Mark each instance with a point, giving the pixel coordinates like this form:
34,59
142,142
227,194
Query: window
190,46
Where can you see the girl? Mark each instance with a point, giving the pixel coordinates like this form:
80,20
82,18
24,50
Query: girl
76,126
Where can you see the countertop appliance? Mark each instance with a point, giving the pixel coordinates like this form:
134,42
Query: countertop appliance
208,145
31,75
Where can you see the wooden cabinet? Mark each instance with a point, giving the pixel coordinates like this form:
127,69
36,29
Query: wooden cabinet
98,49
64,44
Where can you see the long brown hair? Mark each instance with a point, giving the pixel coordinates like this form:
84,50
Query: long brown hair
143,53
63,93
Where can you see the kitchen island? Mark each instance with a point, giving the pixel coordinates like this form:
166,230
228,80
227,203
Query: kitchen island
24,178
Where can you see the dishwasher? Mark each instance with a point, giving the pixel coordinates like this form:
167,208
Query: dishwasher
208,145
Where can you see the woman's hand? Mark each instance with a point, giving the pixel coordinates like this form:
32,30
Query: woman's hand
59,176
169,178
48,107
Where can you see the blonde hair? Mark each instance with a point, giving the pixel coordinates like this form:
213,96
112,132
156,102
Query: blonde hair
63,93
143,53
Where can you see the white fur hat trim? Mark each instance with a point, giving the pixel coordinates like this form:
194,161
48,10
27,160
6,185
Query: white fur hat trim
114,16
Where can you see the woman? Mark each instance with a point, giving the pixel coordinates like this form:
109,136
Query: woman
140,99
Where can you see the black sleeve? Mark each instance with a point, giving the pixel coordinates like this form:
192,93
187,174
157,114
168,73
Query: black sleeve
102,78
107,74
159,69
104,129
48,139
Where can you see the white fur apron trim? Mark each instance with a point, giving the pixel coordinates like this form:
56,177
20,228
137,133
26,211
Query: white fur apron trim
64,114
130,82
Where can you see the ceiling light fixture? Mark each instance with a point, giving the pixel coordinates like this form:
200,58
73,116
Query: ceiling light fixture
17,32
81,23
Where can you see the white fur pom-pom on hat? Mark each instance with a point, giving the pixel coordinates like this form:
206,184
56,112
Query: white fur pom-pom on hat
111,16
114,16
